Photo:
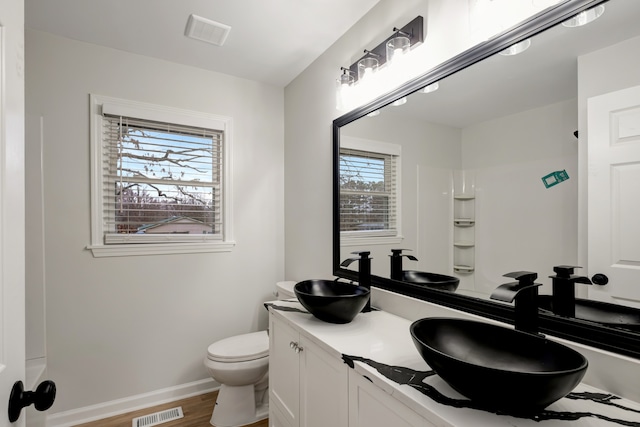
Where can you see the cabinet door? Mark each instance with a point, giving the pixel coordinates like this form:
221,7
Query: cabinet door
277,418
369,406
324,399
284,373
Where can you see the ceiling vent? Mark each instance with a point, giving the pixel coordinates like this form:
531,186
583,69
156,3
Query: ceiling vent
206,30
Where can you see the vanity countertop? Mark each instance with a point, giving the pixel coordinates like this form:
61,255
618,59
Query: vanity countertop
378,346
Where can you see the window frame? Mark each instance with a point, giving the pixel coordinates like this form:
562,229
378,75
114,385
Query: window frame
376,237
155,244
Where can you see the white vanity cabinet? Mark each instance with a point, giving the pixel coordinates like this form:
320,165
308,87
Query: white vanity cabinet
310,385
307,386
369,406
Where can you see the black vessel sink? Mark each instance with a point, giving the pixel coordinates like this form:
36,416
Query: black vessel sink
431,280
601,312
504,369
331,301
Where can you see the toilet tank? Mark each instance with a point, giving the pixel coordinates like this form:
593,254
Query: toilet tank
284,290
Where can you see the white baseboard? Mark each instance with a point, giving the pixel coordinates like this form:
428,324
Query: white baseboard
132,403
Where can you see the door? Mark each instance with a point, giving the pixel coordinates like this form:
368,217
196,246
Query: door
613,193
12,335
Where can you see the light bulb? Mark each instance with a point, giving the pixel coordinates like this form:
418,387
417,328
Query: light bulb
516,48
366,67
431,88
584,17
397,47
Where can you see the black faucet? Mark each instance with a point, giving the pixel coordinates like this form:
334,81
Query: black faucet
525,294
364,273
396,263
564,290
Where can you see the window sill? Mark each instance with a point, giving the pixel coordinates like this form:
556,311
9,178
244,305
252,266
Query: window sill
380,240
101,251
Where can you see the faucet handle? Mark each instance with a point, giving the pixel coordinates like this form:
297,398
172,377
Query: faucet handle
522,276
396,253
509,291
525,294
362,254
565,271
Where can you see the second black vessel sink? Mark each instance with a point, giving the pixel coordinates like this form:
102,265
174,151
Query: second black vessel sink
504,369
601,312
331,301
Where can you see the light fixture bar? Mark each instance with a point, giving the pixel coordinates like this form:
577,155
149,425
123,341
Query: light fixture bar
413,31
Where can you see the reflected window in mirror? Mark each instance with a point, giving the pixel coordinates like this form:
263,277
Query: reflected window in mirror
369,189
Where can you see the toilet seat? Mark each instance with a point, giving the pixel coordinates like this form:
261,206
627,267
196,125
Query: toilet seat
240,348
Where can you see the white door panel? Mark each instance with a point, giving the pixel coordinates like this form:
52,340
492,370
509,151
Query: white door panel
614,192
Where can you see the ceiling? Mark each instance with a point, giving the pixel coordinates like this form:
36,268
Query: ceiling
270,41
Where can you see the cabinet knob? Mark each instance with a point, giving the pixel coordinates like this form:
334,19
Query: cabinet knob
298,349
293,344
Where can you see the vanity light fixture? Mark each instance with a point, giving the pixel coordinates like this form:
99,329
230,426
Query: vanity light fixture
516,48
430,88
373,73
585,17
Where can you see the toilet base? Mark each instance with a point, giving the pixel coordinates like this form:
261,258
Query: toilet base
238,406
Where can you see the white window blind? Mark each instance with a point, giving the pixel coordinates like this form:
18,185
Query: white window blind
368,193
161,182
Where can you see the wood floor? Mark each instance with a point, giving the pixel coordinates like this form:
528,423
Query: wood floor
197,413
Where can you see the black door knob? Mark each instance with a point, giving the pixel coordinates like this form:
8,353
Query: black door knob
600,279
42,398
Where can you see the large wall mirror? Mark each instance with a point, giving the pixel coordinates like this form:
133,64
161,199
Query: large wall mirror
490,171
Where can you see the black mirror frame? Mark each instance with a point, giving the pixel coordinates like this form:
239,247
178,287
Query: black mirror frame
611,339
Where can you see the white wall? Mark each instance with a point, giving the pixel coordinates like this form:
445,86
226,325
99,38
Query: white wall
118,327
520,224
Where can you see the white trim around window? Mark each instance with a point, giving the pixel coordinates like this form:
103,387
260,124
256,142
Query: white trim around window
160,244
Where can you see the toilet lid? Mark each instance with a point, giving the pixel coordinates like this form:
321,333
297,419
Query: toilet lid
285,289
240,348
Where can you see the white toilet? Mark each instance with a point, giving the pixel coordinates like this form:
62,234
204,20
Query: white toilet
241,365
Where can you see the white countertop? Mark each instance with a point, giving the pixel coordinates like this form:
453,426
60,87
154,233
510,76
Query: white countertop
385,338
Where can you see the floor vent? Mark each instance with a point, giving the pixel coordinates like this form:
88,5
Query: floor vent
158,418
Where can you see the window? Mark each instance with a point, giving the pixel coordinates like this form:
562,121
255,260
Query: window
160,179
369,196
